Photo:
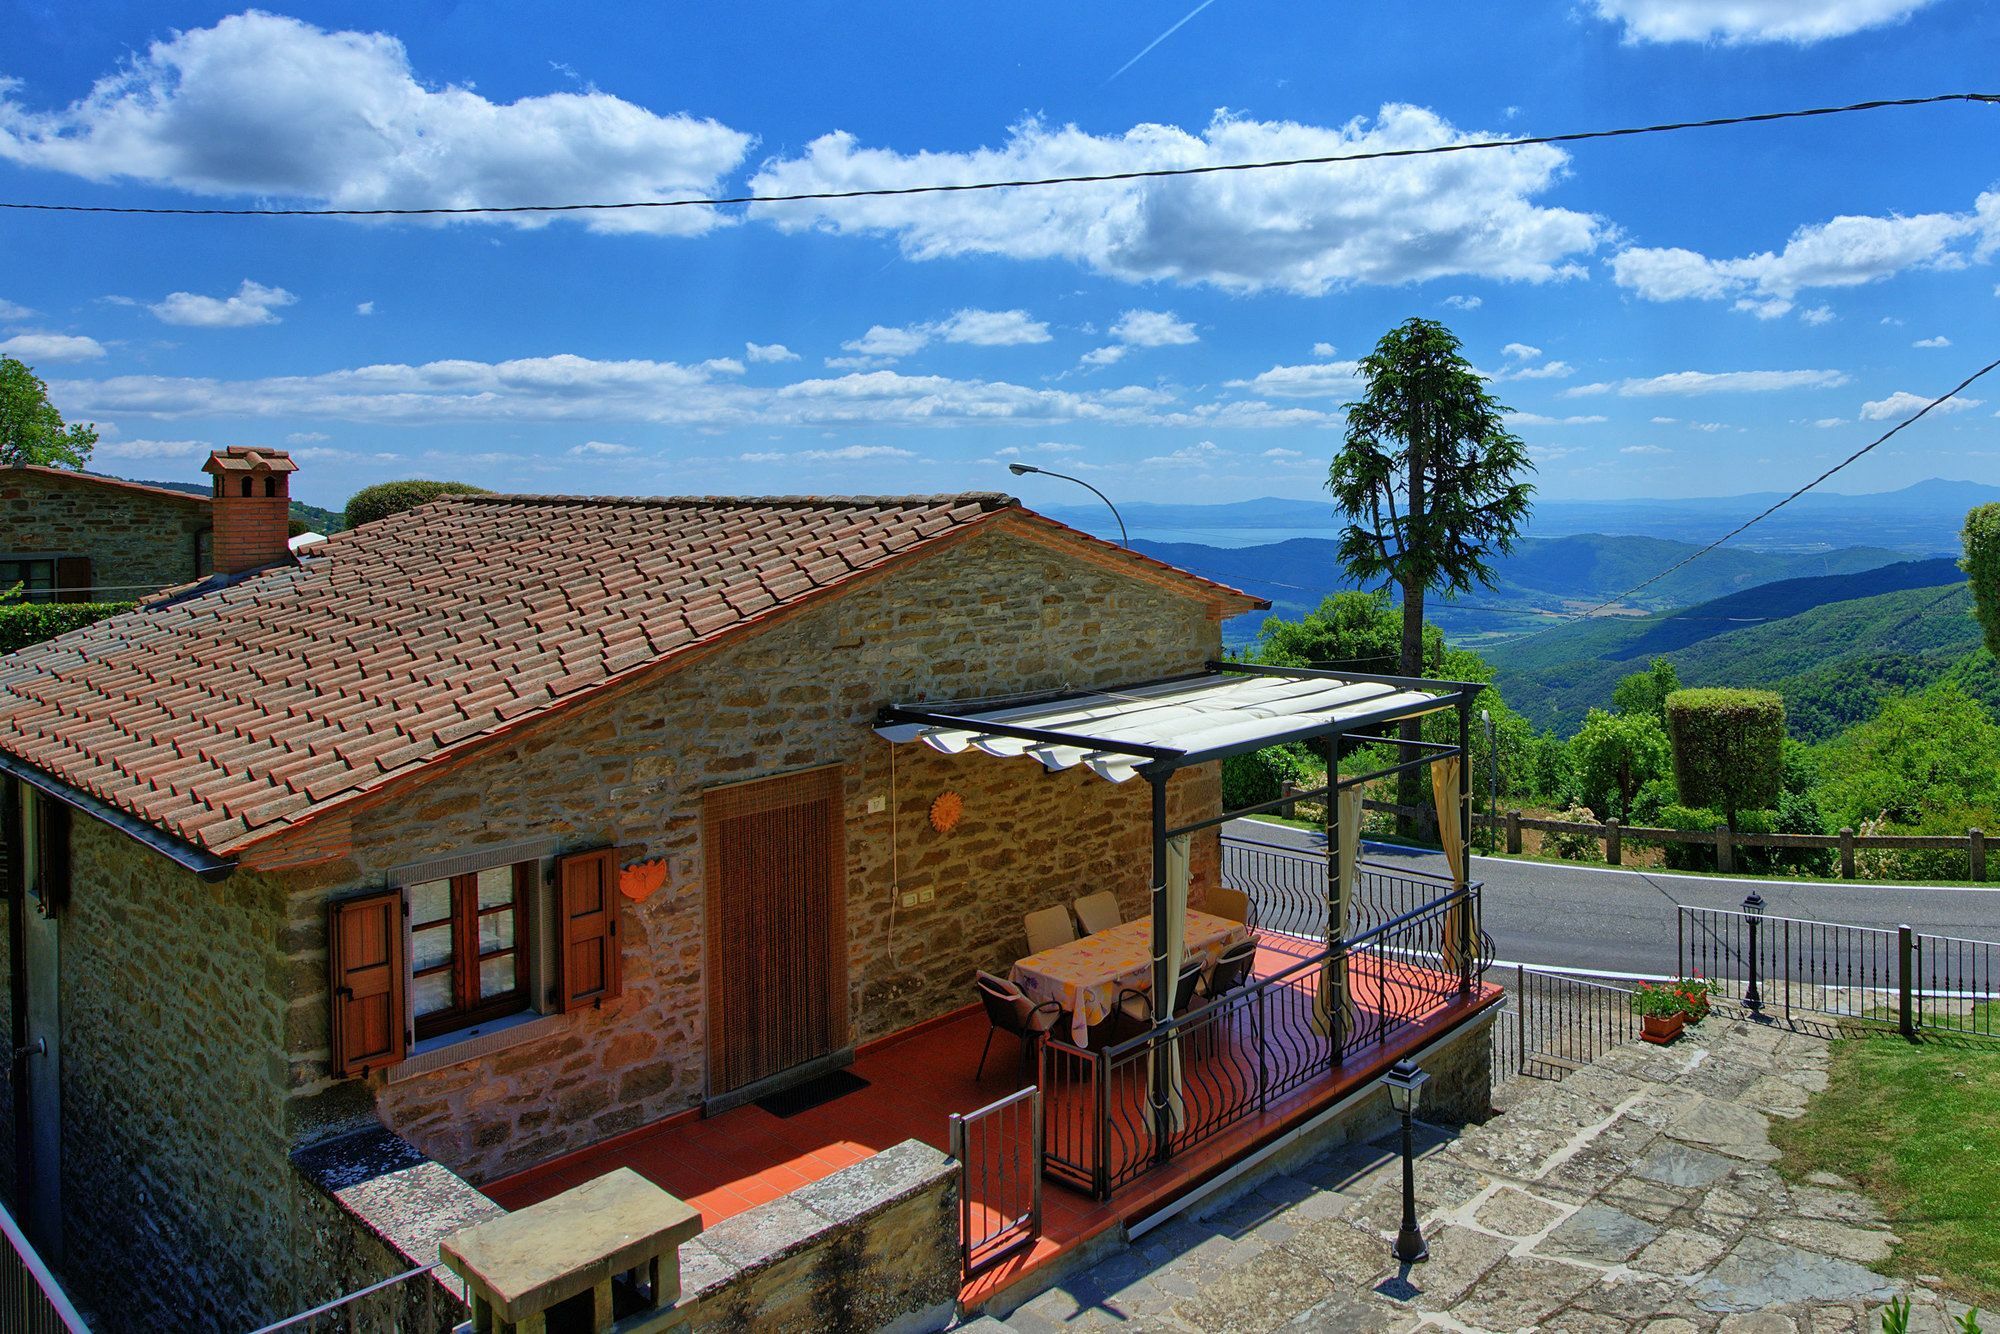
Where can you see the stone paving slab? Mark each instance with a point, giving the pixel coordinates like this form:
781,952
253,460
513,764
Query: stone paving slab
1637,1194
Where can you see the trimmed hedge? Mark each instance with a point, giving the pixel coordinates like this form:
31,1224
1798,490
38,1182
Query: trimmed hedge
385,498
1981,564
1728,748
25,623
1260,776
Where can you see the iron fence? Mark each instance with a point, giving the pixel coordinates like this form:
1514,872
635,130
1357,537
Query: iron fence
1789,965
31,1301
999,1153
1288,888
1114,1112
1552,1023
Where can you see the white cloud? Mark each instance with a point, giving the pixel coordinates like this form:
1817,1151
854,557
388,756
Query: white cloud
600,449
1664,421
1045,447
1713,382
153,449
1739,22
271,107
1551,453
1283,454
1939,341
993,328
1846,251
1710,427
253,304
1307,232
48,347
854,454
1106,355
1521,351
306,437
769,353
364,308
1828,423
1153,328
1553,370
1324,351
1902,403
1317,379
1817,315
1465,302
1537,419
1200,455
883,340
10,311
1645,449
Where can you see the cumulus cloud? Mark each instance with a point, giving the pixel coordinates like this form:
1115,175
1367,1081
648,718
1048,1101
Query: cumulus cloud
10,311
1537,419
1521,351
253,304
1205,454
153,449
271,107
600,449
1939,341
51,347
1324,351
1106,355
1045,447
1465,302
306,437
1741,22
1846,251
1817,315
845,454
1307,232
1645,449
1549,370
1902,403
981,328
1153,328
1712,382
769,353
1316,379
1282,454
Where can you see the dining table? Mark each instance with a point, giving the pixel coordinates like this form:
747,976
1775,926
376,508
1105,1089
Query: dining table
1085,976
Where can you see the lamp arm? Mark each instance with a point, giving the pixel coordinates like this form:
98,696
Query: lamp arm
1123,539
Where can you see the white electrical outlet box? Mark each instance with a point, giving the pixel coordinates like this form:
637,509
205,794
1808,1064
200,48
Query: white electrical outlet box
925,896
909,900
876,805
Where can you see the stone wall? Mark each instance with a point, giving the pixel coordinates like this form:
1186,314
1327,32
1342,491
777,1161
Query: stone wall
138,538
995,615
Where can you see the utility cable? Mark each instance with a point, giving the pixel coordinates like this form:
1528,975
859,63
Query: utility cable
1154,173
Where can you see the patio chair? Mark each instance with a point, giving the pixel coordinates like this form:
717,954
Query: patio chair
1230,974
1048,928
1232,905
1008,1009
1097,912
1133,1014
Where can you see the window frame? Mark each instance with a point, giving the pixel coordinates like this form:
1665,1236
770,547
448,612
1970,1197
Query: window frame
463,965
30,592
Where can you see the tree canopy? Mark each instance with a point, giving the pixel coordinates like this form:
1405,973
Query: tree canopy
1361,631
31,430
1616,754
385,498
1981,564
1646,692
1921,758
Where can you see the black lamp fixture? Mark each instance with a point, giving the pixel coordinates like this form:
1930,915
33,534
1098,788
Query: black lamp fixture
1023,469
1405,1083
1753,912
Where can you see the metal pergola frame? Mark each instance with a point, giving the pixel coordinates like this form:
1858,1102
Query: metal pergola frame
1163,762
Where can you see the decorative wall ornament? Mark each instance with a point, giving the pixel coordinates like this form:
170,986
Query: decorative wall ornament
946,811
638,881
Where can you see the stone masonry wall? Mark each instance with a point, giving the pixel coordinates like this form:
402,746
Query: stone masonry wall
137,540
994,615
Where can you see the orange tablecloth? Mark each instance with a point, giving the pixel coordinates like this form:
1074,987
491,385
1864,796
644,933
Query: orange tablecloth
1085,976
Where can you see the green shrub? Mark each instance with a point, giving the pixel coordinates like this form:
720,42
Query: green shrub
25,623
385,498
1260,776
1728,748
1981,564
1613,756
1693,819
1574,847
1651,800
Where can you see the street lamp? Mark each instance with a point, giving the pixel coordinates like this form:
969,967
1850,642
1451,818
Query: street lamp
1492,784
1405,1083
1753,909
1023,469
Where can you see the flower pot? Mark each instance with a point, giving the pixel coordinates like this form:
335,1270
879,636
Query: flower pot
1662,1028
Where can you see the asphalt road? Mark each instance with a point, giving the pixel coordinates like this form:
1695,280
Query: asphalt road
1623,922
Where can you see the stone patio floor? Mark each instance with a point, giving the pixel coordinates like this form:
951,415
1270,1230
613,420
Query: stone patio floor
1635,1194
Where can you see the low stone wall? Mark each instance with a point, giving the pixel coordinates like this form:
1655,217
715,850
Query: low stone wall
873,1246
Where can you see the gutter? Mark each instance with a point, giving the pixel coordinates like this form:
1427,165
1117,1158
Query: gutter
202,862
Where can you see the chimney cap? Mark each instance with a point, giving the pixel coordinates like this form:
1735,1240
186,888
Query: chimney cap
249,458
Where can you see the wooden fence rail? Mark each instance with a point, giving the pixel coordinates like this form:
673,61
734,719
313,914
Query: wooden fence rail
1613,835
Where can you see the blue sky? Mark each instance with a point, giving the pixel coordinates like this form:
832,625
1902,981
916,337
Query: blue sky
1700,314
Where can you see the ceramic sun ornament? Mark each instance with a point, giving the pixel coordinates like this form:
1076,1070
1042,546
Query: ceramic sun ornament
947,811
638,881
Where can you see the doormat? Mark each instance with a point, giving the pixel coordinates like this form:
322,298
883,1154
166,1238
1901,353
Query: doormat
813,1093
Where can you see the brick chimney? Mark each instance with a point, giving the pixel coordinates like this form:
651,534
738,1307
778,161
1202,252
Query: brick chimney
252,510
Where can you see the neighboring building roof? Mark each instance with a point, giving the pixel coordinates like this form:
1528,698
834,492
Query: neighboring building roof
231,712
98,479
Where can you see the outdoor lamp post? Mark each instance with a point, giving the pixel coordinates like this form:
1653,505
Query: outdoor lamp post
1492,783
1753,909
1023,469
1405,1083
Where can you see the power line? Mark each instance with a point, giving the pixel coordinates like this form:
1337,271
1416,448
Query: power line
1155,173
1879,440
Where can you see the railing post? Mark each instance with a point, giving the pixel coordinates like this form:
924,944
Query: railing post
1906,1010
1725,855
1100,1168
1614,851
1514,833
1520,1019
1288,790
1846,854
1976,841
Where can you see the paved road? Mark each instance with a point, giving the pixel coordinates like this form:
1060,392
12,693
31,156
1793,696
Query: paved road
1623,921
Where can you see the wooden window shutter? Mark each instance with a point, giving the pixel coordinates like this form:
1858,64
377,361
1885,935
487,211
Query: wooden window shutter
52,841
73,583
588,888
370,1012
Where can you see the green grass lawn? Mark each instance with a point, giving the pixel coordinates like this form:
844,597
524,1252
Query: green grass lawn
1914,1125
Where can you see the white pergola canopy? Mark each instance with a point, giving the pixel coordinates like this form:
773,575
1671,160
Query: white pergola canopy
1117,732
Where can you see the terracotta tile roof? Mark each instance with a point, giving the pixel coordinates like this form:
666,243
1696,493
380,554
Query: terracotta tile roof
226,715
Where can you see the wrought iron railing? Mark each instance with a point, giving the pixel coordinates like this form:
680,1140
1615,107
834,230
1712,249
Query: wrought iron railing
31,1301
1288,888
1552,1023
999,1153
1788,965
1113,1113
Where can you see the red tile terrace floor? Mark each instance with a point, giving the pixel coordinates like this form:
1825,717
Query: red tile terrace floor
744,1157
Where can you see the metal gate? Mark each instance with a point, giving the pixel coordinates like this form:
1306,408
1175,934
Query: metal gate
1552,1023
999,1152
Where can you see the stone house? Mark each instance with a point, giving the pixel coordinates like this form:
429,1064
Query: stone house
76,537
462,824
